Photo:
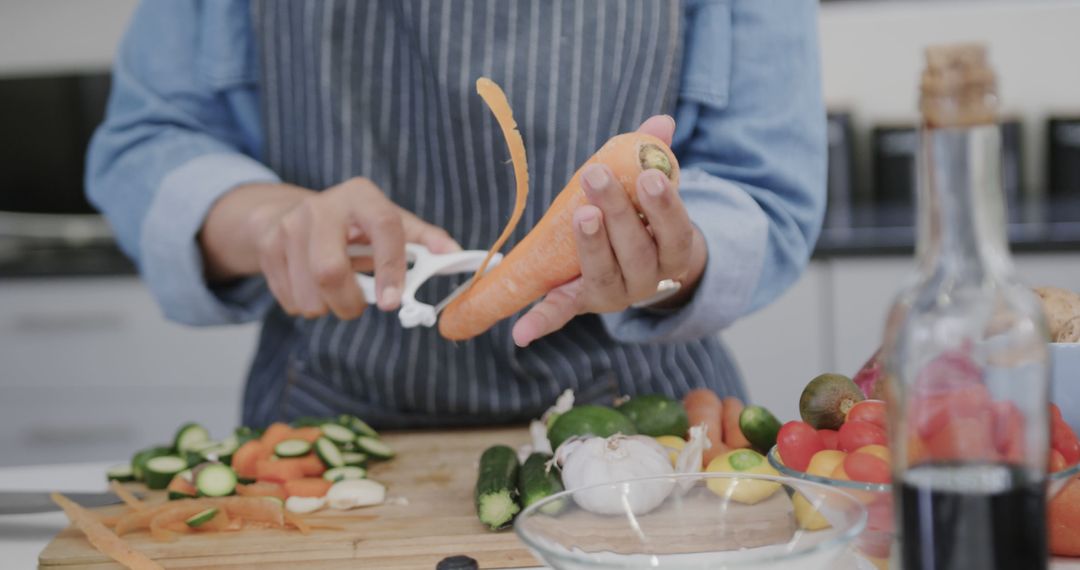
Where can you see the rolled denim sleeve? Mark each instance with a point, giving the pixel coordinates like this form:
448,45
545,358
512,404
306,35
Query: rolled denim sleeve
751,143
180,131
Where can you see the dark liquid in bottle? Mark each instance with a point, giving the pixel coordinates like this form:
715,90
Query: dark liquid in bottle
978,517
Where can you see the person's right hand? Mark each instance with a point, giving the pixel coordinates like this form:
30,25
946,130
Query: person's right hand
297,238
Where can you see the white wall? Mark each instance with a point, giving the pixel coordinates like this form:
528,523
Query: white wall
872,56
49,36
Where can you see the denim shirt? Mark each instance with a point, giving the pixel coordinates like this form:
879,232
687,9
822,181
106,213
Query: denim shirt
183,127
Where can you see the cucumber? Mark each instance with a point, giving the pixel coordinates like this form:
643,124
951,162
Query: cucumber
354,458
589,420
121,473
337,434
357,425
760,427
496,491
292,448
244,434
307,421
344,473
221,451
536,482
201,518
215,480
189,436
328,453
374,447
826,400
656,415
160,470
138,461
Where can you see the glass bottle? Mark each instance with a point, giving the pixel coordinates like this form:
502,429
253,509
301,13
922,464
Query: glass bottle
968,364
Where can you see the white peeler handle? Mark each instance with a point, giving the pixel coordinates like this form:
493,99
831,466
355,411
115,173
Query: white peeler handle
425,265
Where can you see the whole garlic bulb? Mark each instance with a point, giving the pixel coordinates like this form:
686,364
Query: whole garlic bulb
598,460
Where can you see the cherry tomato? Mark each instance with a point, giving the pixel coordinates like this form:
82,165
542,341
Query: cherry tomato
797,442
965,438
866,468
1008,431
1055,413
830,438
870,411
931,413
854,435
876,541
1063,439
916,450
1057,461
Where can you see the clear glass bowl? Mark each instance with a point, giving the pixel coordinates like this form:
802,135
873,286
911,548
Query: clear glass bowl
875,542
700,524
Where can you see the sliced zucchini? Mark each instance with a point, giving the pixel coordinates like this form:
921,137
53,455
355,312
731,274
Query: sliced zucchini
307,421
328,453
357,425
201,518
121,473
221,451
345,473
138,461
189,436
374,447
292,448
215,480
337,434
354,458
160,470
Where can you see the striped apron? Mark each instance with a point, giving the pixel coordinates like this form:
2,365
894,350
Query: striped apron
385,89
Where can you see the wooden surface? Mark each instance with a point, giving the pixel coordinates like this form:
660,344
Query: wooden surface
429,516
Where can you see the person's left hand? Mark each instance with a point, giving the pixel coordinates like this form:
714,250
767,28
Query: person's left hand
623,257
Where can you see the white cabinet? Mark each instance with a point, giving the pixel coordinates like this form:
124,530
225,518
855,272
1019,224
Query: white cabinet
89,369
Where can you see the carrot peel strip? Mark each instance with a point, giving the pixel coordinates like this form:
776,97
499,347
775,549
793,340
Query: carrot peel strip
126,496
102,538
496,101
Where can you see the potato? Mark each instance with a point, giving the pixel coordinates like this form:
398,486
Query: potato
1060,306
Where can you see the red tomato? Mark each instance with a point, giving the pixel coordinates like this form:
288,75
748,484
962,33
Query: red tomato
797,442
866,468
830,438
1008,431
1055,413
964,439
854,435
931,413
870,411
1063,439
1057,461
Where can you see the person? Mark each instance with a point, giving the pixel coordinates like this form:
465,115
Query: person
246,143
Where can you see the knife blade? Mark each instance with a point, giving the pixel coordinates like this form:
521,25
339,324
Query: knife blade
29,502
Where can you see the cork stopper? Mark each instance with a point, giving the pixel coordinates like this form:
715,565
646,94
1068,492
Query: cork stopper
958,87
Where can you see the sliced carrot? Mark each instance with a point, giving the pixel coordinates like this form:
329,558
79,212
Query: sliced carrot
733,435
294,520
129,499
261,489
307,487
308,434
703,406
277,471
275,434
245,458
103,539
253,510
182,486
311,465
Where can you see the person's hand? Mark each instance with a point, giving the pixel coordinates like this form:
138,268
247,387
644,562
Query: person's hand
297,238
623,258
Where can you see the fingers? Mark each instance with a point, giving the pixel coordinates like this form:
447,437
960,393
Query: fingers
634,248
669,221
659,126
272,263
436,239
305,294
380,219
600,272
331,267
549,315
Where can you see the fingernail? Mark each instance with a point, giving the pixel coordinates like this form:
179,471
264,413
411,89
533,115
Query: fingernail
590,224
595,177
653,184
391,296
670,120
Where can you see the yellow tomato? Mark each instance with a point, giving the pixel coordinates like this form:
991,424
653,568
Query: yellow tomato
673,445
806,515
741,462
877,451
824,462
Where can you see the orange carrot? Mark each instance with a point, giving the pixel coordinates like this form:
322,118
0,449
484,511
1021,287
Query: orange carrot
704,407
276,433
245,458
278,471
182,486
126,496
308,434
733,435
261,489
103,539
311,465
307,487
547,257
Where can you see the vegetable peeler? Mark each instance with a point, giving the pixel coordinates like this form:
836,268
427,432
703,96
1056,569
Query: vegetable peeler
423,265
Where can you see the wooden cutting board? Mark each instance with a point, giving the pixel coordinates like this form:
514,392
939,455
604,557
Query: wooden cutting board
429,516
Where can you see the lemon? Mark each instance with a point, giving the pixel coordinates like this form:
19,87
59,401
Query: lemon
806,515
824,462
673,445
741,462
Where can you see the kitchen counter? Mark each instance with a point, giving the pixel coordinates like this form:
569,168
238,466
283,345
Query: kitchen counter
22,537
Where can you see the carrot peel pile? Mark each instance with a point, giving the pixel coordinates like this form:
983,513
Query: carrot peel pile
102,538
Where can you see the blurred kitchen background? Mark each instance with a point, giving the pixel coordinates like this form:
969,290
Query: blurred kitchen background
89,370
